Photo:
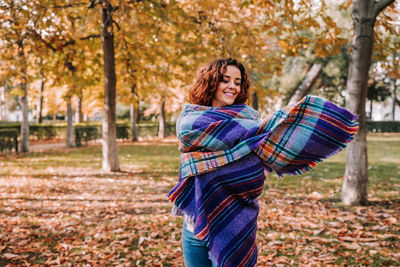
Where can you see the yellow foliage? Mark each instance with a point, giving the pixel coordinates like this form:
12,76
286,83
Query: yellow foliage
159,45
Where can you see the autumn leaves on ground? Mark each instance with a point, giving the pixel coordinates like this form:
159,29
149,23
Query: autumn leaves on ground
58,208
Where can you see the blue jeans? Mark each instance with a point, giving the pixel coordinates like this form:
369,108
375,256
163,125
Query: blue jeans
195,251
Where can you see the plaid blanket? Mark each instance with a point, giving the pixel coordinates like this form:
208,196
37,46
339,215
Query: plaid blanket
226,153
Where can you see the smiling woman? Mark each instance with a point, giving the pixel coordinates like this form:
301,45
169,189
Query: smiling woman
221,83
226,151
229,88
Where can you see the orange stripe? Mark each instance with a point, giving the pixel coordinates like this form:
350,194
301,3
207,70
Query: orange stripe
178,191
206,132
211,216
221,207
248,255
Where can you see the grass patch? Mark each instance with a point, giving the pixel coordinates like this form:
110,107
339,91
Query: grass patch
383,170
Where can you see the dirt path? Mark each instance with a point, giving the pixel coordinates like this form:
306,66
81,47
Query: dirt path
39,146
46,145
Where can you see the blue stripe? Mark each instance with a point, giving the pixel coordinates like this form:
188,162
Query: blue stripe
237,242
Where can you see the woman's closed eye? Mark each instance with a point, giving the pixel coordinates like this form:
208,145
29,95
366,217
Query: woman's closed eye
227,81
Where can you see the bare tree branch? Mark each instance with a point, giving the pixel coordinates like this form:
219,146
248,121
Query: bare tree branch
117,25
380,5
68,6
71,42
92,4
108,5
90,36
47,44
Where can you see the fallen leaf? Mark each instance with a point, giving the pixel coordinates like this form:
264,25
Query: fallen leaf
390,220
142,239
314,195
353,245
9,256
372,252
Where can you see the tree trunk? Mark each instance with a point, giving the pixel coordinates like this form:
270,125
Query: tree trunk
3,103
370,109
161,119
78,107
70,127
137,111
25,120
40,101
109,142
355,183
394,100
305,86
24,100
254,100
133,123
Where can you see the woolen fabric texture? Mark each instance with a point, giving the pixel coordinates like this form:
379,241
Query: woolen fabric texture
227,151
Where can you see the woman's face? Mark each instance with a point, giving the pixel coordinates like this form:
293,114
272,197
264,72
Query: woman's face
229,88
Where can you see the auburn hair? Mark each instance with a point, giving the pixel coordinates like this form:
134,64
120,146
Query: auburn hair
203,90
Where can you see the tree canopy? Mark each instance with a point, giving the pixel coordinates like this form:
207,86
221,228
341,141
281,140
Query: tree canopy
159,45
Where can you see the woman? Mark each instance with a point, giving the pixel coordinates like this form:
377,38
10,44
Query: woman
226,151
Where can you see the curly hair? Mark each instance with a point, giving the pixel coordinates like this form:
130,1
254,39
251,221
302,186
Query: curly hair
203,90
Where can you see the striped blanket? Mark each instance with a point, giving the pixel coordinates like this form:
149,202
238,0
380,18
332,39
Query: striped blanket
226,153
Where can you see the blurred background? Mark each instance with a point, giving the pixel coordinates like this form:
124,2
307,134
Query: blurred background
52,58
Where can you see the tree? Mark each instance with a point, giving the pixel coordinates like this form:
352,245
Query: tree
5,89
317,34
109,133
395,79
355,183
2,102
305,86
61,38
40,100
15,28
78,54
24,99
377,91
162,131
386,51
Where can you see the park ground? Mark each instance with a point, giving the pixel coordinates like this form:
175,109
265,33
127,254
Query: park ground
58,208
